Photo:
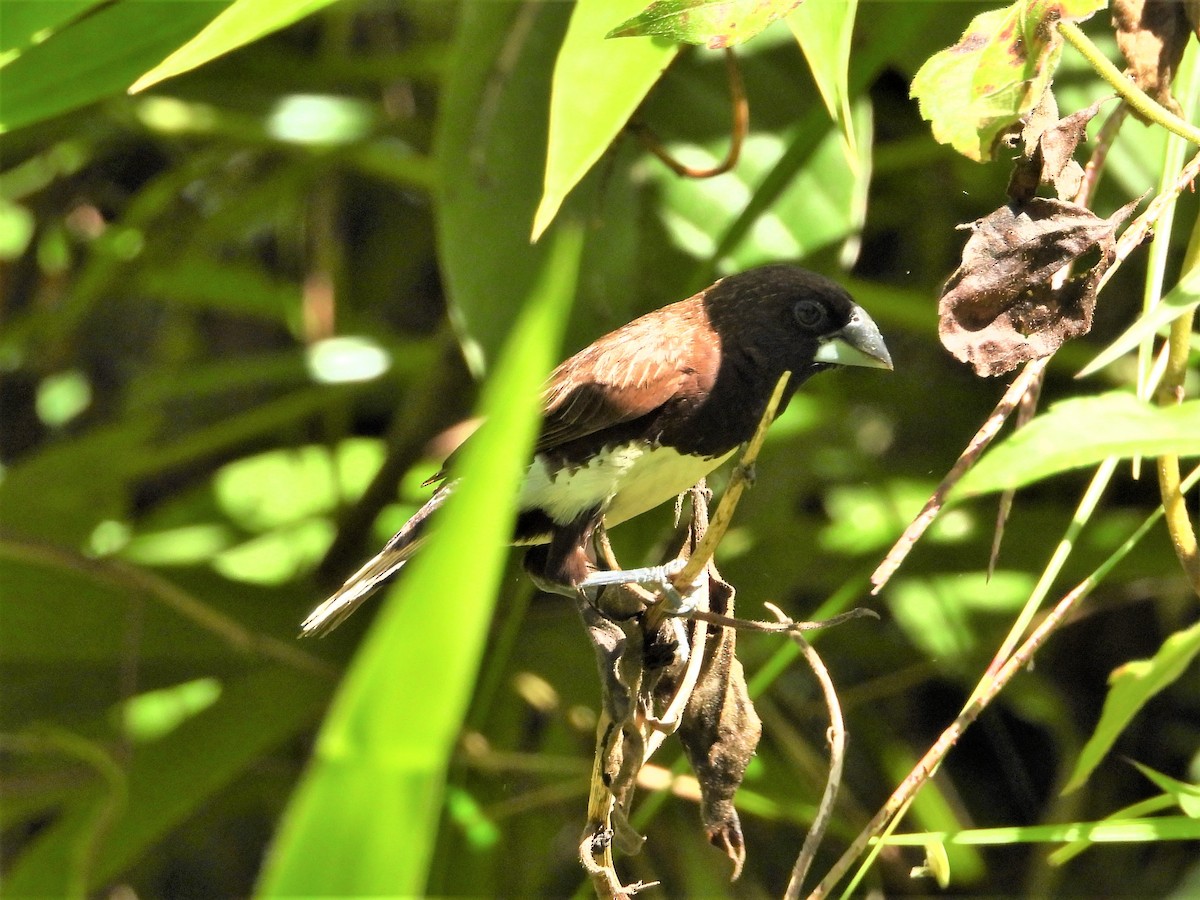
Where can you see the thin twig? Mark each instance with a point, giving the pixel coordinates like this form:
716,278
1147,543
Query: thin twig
1137,231
983,437
781,627
1138,99
722,518
1170,392
1026,410
738,131
1099,156
980,700
837,756
668,722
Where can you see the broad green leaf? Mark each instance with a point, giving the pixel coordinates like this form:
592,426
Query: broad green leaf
1185,794
97,57
597,86
25,22
975,91
365,817
1183,297
713,23
490,134
244,21
1131,686
1083,432
824,29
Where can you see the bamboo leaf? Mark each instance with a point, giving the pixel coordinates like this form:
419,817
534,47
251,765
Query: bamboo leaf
597,86
1131,686
377,776
1083,432
242,22
713,23
96,57
1183,297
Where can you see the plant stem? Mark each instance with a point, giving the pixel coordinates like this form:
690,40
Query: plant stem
1139,100
1169,393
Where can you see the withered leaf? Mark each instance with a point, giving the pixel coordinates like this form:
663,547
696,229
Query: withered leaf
1048,151
720,730
1001,306
1152,35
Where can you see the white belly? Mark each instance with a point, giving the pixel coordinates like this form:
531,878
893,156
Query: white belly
626,482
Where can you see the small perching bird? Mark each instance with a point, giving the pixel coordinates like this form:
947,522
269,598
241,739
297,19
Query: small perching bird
645,412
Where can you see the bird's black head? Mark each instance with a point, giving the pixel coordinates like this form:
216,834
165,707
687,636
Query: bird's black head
782,317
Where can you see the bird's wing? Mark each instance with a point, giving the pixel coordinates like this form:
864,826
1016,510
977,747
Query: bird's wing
623,376
627,374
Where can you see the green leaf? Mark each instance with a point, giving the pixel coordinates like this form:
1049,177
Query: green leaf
1183,297
490,132
608,80
1083,432
1131,686
365,816
975,91
1185,794
97,57
25,22
823,29
714,23
244,21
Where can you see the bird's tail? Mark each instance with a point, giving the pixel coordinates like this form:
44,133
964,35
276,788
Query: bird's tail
376,571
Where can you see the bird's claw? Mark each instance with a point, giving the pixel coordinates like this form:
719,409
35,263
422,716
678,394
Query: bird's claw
657,578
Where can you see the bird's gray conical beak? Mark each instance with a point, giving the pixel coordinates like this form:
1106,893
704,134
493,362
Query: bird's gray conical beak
858,344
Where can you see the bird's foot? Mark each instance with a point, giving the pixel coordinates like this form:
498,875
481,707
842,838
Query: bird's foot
656,578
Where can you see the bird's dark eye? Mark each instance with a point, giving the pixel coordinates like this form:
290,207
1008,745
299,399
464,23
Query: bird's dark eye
810,314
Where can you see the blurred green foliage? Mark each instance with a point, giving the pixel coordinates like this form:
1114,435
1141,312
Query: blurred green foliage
243,312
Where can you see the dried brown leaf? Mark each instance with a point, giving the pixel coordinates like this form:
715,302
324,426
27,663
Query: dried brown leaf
719,731
1152,35
1049,145
1002,306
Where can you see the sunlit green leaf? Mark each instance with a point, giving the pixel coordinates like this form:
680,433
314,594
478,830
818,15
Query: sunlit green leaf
714,23
278,556
975,91
377,775
824,28
244,21
96,57
1109,831
1083,432
608,79
1130,687
62,397
1185,794
818,205
25,22
1183,297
